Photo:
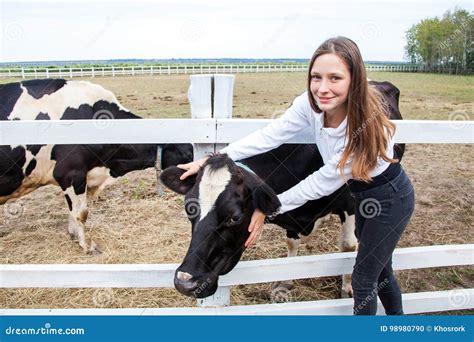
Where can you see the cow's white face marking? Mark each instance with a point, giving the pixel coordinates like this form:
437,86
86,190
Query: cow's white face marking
213,183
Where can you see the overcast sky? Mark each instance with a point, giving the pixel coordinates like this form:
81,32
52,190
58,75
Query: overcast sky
40,31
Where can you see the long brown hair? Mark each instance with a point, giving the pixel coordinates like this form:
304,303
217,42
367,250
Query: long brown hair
367,112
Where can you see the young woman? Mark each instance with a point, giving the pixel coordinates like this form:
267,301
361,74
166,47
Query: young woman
355,139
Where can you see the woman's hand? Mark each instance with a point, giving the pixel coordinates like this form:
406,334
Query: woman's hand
255,227
191,168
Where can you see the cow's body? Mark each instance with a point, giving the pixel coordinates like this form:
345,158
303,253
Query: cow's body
233,192
78,169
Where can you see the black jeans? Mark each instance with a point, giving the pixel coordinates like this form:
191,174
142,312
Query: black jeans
382,214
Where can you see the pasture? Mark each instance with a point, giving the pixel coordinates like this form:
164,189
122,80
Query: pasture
133,225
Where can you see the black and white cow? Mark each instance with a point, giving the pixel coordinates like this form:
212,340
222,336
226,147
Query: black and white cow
78,169
221,198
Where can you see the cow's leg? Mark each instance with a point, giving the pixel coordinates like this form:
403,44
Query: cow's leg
320,221
293,241
347,243
71,227
72,178
293,244
77,219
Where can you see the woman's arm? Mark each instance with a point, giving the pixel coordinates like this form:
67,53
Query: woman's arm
274,134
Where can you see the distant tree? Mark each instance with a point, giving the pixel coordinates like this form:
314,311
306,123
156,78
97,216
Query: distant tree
442,44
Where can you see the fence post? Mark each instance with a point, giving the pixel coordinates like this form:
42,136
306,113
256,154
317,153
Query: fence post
223,99
210,96
47,73
205,89
200,101
92,71
70,72
220,298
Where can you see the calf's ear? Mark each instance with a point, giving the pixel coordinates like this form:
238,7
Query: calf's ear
263,197
170,178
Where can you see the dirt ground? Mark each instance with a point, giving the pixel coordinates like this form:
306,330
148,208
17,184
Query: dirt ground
133,225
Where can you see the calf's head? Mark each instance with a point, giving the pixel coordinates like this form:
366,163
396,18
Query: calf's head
219,202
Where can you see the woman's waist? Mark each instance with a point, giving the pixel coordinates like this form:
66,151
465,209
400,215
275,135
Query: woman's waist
390,173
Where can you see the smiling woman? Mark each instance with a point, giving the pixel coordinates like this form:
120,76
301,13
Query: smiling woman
355,138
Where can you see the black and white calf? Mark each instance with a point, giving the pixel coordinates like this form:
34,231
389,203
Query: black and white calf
78,169
221,198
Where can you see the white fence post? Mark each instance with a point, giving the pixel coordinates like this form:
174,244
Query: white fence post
220,298
223,99
200,100
210,96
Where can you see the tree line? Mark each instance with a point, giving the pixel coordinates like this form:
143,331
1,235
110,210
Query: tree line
442,44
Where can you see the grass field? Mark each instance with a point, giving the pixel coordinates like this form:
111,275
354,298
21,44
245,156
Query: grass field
155,230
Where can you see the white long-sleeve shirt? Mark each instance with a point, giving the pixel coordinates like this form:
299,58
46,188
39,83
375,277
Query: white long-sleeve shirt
330,141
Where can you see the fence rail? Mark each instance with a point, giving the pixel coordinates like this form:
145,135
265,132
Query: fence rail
413,303
201,131
247,272
70,72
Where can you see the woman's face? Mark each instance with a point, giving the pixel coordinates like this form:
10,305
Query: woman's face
330,81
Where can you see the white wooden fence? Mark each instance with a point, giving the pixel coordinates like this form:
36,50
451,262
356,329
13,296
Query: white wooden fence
209,129
94,71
